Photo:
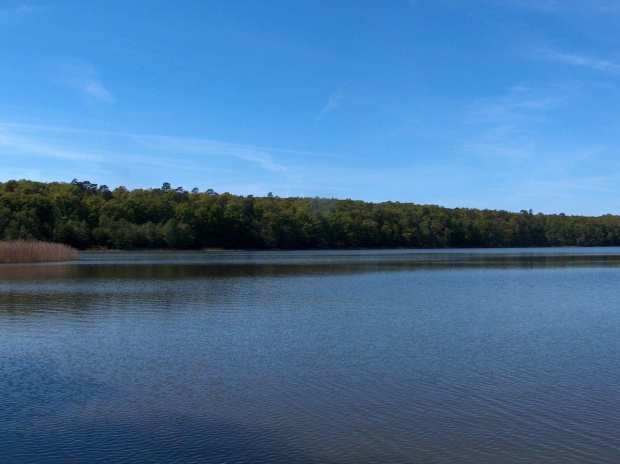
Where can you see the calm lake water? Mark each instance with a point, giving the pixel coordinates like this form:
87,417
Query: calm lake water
313,357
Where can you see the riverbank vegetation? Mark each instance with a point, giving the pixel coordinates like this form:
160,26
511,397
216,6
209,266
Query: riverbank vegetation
85,215
20,251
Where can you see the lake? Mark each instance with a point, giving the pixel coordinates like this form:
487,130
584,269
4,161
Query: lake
387,356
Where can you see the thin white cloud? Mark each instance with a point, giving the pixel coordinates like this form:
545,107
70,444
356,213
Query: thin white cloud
18,11
95,89
605,184
559,7
26,8
181,145
506,126
518,107
610,8
545,6
83,79
332,104
13,143
59,129
25,142
580,59
141,152
501,142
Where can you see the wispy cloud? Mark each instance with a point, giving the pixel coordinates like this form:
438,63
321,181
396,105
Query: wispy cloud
546,6
519,105
506,126
563,6
18,11
32,140
26,8
83,79
573,194
332,104
605,184
38,128
25,145
579,59
609,8
181,145
16,143
517,143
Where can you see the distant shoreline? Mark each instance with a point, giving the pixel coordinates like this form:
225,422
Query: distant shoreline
89,216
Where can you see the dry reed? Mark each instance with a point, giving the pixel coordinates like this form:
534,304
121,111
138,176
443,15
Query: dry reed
35,252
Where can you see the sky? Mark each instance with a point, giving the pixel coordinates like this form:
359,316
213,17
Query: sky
498,104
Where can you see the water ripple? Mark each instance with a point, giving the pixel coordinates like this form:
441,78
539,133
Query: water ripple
336,357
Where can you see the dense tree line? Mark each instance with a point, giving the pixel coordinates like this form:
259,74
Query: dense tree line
87,215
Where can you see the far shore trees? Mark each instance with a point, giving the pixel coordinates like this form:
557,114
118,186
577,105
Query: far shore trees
85,215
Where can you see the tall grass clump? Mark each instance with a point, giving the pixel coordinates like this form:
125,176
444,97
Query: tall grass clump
35,252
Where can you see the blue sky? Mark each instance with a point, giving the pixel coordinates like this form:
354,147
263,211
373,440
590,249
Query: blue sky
487,104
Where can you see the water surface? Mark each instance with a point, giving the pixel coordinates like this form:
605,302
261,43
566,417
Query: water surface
311,357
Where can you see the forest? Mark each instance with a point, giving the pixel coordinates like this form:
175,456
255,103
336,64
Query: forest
86,215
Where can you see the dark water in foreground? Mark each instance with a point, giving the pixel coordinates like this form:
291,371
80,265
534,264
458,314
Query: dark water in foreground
313,357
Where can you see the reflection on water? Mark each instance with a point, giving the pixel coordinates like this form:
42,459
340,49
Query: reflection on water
348,357
182,265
